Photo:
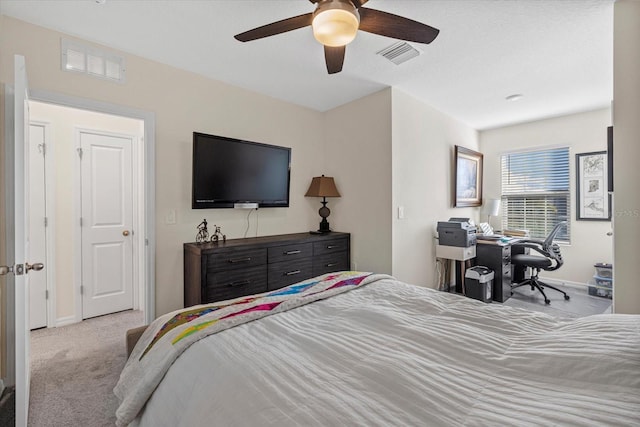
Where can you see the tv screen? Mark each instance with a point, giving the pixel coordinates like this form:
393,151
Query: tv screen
227,171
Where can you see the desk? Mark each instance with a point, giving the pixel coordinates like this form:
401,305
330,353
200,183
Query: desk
497,256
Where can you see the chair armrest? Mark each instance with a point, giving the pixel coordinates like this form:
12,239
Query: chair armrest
536,246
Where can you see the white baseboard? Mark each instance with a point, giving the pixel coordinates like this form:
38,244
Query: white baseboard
553,281
64,321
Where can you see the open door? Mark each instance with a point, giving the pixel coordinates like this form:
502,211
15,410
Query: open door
18,266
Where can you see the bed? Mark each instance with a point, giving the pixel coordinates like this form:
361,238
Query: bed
363,349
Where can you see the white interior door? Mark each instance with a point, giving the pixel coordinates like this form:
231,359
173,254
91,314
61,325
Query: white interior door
107,218
17,244
37,226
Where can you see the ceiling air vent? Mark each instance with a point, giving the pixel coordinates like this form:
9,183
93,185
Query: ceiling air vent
399,52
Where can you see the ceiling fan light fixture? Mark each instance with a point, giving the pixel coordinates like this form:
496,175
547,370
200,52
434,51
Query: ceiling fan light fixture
335,23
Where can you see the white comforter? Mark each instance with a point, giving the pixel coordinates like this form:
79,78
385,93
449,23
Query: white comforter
391,354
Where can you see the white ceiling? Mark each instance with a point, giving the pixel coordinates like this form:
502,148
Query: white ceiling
558,53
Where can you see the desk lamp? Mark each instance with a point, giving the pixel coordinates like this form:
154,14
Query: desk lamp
323,186
492,209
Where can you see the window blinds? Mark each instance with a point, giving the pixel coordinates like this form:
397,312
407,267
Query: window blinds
535,191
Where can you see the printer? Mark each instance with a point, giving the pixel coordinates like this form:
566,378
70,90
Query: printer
456,232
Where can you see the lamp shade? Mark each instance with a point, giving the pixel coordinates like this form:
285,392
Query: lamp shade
492,207
322,186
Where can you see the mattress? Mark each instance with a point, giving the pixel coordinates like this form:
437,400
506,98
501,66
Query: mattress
391,353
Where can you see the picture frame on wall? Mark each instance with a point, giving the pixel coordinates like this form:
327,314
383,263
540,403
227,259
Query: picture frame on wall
468,178
592,198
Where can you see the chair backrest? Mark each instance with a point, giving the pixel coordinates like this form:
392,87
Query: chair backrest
552,248
546,244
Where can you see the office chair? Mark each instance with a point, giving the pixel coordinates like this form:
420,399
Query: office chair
551,260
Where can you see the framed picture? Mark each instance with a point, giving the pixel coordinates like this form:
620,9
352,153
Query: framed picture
592,198
468,185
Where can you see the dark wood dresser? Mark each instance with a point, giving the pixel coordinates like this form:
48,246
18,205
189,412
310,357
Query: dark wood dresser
238,267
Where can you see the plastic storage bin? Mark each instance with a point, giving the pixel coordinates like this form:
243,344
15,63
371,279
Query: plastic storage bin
604,270
603,287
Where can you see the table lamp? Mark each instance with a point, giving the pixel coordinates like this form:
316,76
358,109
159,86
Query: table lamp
323,186
492,208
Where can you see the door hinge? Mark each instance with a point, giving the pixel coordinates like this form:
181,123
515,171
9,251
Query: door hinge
81,289
46,294
80,152
46,221
146,242
42,148
80,221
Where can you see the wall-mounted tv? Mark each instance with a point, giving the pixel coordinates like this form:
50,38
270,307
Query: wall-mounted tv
229,171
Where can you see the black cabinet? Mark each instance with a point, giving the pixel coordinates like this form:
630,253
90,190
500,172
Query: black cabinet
497,257
238,267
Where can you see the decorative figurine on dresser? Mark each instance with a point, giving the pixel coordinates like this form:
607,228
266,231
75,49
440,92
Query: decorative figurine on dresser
217,234
203,233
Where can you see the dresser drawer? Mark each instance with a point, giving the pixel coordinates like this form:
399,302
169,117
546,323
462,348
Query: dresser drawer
330,263
237,258
234,283
288,272
290,252
330,246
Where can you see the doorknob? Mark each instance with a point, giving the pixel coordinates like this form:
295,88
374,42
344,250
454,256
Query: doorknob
35,267
4,270
125,233
610,233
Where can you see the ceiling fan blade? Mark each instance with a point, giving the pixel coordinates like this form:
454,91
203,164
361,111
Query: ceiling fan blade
334,57
397,27
274,28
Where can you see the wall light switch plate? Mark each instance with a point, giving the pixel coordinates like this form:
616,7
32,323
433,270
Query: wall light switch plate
171,217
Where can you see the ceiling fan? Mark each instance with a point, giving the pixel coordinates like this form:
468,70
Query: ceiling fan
336,22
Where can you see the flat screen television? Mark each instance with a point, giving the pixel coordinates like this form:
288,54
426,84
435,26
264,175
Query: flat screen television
229,171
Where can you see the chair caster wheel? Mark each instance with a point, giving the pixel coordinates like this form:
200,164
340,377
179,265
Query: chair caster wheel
567,297
547,301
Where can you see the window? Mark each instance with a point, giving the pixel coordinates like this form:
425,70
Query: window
84,59
535,192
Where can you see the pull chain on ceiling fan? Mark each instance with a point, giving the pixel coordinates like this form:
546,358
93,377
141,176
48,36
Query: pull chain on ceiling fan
336,22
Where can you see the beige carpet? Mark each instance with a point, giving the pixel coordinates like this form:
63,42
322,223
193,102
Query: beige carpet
74,369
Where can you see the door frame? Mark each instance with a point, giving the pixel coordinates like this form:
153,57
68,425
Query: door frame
50,253
146,188
137,179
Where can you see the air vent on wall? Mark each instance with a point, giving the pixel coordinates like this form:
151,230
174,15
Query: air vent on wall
399,52
81,58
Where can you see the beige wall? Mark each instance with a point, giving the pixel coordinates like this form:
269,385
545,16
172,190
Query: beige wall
358,153
183,102
583,133
626,124
422,161
63,123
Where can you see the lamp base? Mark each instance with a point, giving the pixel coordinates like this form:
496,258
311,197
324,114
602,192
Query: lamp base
320,232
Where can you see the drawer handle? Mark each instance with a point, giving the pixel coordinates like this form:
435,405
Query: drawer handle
292,252
292,273
237,260
331,264
239,283
332,246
